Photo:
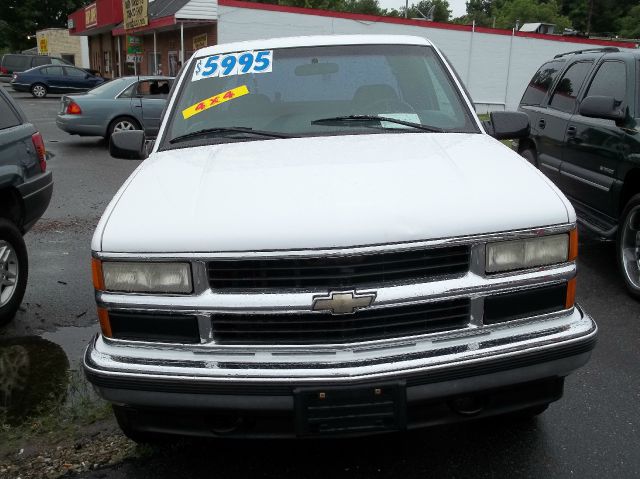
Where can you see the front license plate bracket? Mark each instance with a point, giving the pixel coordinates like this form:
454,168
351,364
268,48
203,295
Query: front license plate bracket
350,410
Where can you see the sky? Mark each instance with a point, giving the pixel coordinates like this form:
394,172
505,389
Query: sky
458,7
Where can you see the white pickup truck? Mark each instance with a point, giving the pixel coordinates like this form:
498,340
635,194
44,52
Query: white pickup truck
326,240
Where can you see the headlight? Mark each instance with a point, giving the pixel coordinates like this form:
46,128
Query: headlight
528,253
145,277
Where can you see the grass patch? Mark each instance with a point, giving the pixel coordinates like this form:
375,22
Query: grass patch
55,418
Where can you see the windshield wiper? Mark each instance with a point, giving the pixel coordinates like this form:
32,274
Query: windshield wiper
226,130
337,120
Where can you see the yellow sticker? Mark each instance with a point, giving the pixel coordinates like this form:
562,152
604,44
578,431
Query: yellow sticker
214,101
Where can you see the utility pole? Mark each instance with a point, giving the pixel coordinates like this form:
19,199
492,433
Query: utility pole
589,17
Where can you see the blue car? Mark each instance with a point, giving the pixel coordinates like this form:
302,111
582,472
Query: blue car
46,79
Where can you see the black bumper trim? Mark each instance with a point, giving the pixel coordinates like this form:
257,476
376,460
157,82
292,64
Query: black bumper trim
36,195
458,372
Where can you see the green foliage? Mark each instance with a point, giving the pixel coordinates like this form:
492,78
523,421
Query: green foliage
629,25
526,11
480,11
19,18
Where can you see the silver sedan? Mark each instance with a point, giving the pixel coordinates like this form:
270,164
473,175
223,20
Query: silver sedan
128,103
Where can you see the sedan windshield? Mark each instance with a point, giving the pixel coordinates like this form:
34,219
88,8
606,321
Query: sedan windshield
314,91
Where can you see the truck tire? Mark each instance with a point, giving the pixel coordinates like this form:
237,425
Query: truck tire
628,246
14,270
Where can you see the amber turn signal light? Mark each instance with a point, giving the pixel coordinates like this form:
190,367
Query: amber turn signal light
573,244
96,273
105,324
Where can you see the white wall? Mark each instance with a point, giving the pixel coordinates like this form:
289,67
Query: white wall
495,68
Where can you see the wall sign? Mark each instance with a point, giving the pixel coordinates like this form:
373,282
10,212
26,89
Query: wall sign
135,13
200,41
90,15
43,46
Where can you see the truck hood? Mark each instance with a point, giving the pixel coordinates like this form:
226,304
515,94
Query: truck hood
327,192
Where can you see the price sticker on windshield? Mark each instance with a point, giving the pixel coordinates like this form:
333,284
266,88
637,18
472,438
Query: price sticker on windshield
215,100
240,63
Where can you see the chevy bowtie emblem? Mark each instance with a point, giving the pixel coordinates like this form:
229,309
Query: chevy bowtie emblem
343,302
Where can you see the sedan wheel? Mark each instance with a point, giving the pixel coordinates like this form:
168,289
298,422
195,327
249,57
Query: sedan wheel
9,271
629,246
124,125
39,91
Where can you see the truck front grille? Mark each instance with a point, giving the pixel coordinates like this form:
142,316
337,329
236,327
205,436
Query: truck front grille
330,272
363,325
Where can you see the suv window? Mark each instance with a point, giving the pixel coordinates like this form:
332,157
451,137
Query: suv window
39,61
8,117
564,96
57,61
540,83
15,62
610,80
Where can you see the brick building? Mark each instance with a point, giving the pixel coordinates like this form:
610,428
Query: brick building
175,29
58,43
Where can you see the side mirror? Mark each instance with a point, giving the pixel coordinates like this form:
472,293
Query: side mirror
605,107
128,145
507,125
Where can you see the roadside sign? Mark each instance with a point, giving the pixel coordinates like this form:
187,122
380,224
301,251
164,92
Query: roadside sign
43,46
134,45
134,58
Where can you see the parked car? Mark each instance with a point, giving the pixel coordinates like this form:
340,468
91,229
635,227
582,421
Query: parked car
41,81
326,240
583,111
18,62
128,103
25,192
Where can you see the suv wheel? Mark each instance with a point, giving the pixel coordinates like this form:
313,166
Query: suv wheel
39,90
13,270
629,246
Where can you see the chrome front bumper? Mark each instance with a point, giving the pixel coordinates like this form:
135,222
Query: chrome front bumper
153,375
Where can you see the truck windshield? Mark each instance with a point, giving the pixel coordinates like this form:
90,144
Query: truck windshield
314,91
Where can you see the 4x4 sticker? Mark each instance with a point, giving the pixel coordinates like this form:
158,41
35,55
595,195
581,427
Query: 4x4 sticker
214,101
240,63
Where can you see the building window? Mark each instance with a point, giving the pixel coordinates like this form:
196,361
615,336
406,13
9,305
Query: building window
69,57
107,62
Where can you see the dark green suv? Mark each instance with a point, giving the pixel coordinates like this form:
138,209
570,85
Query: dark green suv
584,110
25,191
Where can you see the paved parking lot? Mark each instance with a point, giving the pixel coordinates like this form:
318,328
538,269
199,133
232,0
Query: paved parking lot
593,432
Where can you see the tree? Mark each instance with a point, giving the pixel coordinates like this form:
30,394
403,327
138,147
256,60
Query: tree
598,17
629,25
440,8
19,18
526,11
479,11
371,7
